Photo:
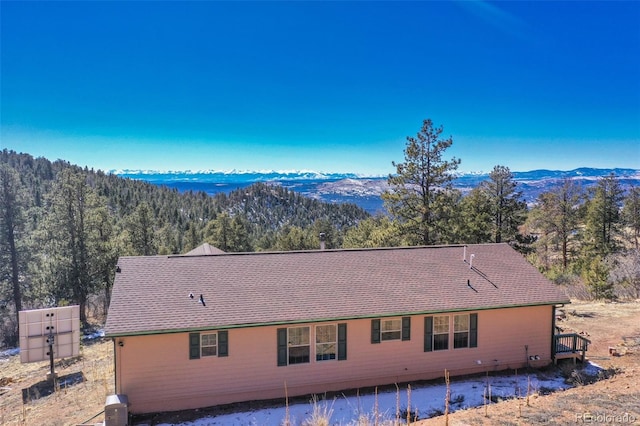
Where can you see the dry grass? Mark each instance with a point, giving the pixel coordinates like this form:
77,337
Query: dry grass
27,400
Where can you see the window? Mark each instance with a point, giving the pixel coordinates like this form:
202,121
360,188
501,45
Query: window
391,329
326,342
460,331
209,344
437,330
440,333
298,345
294,344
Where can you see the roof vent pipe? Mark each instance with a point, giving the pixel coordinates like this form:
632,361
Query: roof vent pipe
471,261
464,254
322,239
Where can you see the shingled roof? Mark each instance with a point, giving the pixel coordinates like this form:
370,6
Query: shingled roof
151,294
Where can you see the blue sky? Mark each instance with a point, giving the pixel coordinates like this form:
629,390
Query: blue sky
326,86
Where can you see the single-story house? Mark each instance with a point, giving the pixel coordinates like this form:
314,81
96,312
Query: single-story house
212,328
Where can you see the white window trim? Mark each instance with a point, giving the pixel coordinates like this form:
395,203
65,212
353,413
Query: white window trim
467,331
289,345
335,343
203,346
434,334
398,330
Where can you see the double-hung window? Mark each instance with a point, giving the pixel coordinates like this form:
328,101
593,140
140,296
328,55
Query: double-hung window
298,345
209,344
460,331
391,329
437,332
294,344
326,342
441,333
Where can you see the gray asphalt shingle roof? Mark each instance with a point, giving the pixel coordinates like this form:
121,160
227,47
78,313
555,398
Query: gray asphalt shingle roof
151,294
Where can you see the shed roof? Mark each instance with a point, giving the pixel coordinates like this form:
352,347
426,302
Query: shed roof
151,293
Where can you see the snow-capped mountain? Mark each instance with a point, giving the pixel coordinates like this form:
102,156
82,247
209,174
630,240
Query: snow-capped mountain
360,189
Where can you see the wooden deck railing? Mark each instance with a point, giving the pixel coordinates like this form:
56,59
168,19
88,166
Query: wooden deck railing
570,345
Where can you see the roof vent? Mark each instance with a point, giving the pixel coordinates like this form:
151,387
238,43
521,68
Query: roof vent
471,261
323,237
464,253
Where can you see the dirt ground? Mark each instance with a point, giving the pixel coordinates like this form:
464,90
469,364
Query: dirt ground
85,381
27,398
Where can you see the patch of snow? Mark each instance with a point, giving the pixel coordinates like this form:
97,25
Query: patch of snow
426,399
591,368
95,335
8,353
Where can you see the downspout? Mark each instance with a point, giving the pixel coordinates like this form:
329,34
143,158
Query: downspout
115,367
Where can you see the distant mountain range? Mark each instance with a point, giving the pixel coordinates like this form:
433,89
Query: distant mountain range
360,189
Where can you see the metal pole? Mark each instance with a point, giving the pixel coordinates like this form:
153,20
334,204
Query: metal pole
50,340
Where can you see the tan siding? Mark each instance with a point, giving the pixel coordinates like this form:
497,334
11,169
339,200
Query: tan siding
155,372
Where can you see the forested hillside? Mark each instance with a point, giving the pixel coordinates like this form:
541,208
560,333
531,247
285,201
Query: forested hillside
62,228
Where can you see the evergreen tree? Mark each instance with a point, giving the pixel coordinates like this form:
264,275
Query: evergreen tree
596,277
603,217
169,240
219,232
631,215
378,231
295,238
73,240
192,238
13,256
476,217
558,218
107,251
240,235
141,231
507,209
229,234
417,197
332,238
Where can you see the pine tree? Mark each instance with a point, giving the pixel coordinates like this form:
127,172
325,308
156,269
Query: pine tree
476,217
558,217
507,209
294,238
603,217
107,251
72,232
141,231
218,232
13,256
378,231
417,197
631,215
596,277
240,235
